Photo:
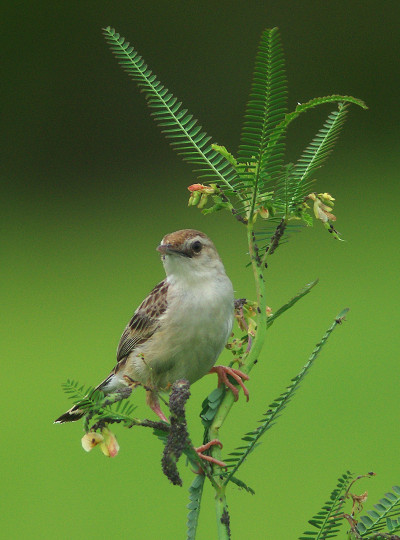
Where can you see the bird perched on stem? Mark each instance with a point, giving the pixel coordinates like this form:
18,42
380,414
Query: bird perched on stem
180,329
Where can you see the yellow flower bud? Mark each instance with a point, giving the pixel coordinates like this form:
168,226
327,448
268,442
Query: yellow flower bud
264,212
326,197
90,440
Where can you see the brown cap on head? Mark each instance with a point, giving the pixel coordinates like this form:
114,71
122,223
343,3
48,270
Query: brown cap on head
186,242
178,238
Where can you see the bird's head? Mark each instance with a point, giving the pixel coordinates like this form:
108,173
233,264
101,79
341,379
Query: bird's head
189,253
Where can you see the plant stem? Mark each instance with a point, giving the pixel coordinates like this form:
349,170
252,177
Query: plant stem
223,523
259,280
249,360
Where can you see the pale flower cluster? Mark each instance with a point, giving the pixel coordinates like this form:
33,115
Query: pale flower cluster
106,440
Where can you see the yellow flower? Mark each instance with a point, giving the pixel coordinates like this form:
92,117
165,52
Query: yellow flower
199,194
90,440
321,210
264,212
106,439
110,446
326,197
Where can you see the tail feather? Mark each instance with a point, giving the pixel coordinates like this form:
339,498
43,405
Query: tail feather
74,413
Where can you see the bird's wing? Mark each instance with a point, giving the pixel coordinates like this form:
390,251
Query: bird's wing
145,321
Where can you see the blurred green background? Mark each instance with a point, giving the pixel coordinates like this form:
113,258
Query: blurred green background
89,187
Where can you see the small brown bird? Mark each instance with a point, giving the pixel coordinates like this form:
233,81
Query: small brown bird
182,326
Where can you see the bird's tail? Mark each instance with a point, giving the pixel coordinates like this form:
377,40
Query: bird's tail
75,413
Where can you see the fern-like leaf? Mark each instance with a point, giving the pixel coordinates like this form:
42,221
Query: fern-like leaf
113,407
329,519
185,135
304,107
386,513
76,391
315,102
195,493
317,152
210,406
272,318
276,408
265,110
241,484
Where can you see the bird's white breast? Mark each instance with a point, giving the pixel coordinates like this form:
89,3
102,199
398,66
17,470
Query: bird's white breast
192,333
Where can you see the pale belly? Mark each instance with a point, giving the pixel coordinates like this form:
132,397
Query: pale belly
189,341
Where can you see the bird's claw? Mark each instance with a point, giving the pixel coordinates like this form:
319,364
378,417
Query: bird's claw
224,371
210,459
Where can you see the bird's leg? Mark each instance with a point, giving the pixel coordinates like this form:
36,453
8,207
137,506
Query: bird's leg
224,371
153,403
210,459
151,397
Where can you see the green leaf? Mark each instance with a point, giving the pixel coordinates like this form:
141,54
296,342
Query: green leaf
276,408
304,107
291,302
98,406
242,485
386,513
329,519
75,391
227,155
195,493
315,102
186,137
265,110
210,406
316,153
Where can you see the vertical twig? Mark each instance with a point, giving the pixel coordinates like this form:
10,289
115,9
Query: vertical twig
223,520
249,360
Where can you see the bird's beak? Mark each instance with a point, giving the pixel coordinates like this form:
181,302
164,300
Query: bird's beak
167,249
163,248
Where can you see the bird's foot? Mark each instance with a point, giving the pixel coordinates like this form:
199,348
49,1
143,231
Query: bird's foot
210,459
224,371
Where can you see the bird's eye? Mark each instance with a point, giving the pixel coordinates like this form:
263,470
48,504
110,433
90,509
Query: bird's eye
196,247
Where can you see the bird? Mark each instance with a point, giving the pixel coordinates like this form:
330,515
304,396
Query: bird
180,328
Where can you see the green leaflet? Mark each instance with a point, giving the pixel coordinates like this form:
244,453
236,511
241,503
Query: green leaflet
265,110
294,183
386,513
276,407
98,406
291,302
311,104
210,406
74,391
329,519
299,183
195,493
315,102
318,151
185,135
241,484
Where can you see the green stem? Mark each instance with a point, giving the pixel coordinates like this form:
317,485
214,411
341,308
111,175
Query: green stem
259,280
223,524
249,360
